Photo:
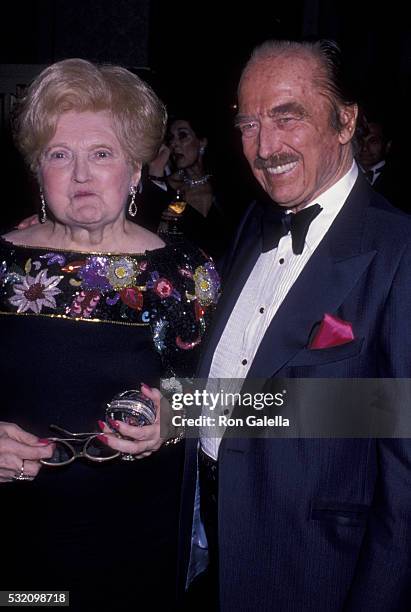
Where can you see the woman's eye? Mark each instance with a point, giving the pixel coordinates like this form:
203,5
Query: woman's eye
57,156
102,154
183,135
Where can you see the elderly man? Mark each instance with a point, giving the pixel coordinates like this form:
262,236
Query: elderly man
308,524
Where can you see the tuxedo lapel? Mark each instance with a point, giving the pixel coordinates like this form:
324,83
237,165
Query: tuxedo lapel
305,306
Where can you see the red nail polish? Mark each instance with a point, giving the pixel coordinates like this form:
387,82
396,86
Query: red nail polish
103,438
114,424
145,387
44,441
102,425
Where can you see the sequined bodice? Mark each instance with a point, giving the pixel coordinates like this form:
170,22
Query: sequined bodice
76,329
171,291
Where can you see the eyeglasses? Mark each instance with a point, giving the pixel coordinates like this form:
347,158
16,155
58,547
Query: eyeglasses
78,445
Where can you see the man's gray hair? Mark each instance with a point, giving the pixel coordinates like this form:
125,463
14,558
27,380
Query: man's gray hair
331,78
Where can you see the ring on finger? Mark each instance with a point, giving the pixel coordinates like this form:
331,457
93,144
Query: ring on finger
22,475
128,457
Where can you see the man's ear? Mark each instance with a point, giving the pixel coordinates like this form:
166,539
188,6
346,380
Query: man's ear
348,120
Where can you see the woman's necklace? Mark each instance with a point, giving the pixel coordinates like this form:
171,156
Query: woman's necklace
192,182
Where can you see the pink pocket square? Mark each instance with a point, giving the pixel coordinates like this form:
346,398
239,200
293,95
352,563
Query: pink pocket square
332,332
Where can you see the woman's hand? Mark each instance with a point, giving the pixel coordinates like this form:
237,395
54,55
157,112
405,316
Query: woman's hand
28,222
20,453
158,165
144,440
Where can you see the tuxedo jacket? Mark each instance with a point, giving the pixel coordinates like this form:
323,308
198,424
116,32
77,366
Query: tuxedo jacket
319,524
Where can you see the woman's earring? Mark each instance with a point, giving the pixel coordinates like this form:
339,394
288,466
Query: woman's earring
132,207
43,213
202,150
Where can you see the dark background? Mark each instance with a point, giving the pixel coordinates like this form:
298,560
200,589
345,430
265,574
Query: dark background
193,53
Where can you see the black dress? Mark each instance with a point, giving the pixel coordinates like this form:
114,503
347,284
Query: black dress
77,328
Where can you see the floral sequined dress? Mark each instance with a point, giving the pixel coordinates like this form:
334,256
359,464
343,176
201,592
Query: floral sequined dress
77,328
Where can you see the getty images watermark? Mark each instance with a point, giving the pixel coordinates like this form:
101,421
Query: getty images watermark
289,408
216,408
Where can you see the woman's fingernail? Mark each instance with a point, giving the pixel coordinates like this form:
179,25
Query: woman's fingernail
103,438
145,387
102,425
114,424
44,441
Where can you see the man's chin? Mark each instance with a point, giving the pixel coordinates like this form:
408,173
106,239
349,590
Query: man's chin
283,199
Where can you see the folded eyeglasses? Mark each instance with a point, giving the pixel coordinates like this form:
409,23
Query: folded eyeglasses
78,445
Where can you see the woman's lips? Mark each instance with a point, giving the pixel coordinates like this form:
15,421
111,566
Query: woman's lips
83,194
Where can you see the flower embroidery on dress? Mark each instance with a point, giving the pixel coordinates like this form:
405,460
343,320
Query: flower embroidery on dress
112,301
54,258
94,273
159,334
207,284
170,292
186,346
35,292
162,286
122,272
132,297
84,304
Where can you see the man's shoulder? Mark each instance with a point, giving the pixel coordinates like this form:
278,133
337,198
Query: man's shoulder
386,219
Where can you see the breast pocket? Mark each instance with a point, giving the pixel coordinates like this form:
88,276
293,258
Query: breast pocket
313,357
353,515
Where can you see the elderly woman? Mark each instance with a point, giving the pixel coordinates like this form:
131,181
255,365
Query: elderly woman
92,305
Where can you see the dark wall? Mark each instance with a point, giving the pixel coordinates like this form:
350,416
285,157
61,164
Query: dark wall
43,31
194,52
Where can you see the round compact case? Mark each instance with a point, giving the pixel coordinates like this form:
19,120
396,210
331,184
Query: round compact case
131,407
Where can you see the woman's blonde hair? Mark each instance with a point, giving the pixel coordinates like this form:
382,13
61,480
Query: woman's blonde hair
139,117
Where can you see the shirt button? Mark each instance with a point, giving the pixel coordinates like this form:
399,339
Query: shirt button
262,309
226,411
244,362
281,261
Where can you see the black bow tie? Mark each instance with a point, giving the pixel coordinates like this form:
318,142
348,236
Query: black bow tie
277,224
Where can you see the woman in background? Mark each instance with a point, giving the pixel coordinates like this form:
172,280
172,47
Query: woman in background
187,173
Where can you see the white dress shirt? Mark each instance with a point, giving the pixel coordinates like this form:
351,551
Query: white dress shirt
272,277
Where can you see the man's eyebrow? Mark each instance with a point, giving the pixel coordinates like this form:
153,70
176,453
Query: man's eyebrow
289,107
282,109
242,119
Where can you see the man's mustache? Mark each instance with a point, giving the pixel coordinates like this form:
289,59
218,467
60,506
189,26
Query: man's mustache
280,159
